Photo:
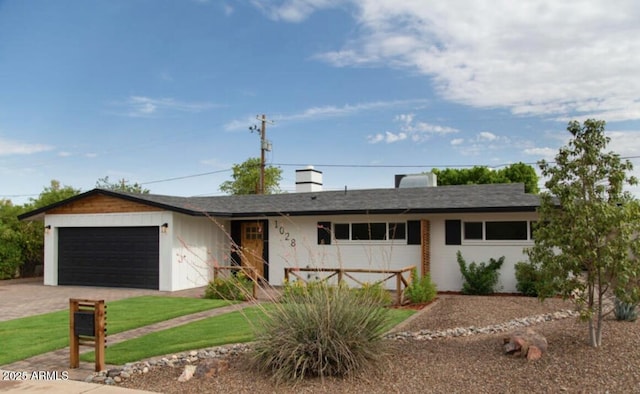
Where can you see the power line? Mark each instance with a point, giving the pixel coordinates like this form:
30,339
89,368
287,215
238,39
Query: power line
185,177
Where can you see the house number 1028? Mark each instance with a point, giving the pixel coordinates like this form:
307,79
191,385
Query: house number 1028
285,234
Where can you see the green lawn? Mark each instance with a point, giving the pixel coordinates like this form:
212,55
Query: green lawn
234,327
29,336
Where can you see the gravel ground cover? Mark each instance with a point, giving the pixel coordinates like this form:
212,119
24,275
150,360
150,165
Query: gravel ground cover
473,363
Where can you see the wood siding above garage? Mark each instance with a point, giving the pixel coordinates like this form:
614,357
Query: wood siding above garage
102,204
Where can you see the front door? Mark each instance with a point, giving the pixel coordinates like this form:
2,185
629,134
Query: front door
252,244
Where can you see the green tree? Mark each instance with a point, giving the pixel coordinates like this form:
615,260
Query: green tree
514,173
10,240
29,234
52,194
246,178
122,185
586,240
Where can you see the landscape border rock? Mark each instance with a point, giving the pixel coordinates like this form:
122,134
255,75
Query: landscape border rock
117,375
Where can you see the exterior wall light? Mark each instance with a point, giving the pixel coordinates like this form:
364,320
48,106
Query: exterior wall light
165,227
47,229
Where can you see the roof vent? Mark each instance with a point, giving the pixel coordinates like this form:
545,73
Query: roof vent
308,180
428,179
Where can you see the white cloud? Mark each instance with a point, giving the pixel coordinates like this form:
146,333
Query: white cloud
294,10
145,107
327,111
483,143
624,143
387,137
416,131
8,147
543,153
487,136
547,57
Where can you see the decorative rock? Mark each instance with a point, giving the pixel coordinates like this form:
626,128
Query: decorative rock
211,368
523,342
187,374
113,372
426,335
534,353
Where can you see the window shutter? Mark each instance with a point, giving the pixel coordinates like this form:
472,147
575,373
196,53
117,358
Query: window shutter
453,232
324,233
413,232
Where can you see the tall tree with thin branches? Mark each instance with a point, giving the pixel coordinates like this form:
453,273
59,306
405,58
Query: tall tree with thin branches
586,239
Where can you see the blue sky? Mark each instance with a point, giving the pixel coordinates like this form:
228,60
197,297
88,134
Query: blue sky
152,90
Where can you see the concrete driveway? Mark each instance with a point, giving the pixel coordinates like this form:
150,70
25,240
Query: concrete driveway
26,297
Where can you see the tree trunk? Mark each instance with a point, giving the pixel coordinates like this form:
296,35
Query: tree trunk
593,326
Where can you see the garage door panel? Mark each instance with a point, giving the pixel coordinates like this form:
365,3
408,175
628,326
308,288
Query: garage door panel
109,256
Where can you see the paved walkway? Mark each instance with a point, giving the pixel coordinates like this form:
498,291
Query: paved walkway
29,297
26,297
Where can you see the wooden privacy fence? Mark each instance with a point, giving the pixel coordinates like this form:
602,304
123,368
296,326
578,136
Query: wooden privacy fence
402,276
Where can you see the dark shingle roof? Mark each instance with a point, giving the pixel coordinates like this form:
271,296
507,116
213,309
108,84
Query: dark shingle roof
466,198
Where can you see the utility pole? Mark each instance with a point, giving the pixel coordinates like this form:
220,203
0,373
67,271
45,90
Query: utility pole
265,146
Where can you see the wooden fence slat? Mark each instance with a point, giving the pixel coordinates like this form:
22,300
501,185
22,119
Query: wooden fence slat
401,282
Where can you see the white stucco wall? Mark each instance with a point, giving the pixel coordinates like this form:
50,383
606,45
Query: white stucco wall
445,271
199,243
346,254
444,266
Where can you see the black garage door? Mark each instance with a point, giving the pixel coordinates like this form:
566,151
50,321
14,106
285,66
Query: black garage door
109,256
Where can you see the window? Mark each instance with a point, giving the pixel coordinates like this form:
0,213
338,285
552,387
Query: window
341,230
368,231
498,231
397,230
473,230
377,231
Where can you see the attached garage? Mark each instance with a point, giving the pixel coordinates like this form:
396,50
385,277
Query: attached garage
109,256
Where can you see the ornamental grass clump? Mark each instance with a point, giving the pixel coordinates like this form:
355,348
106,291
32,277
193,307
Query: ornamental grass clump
327,331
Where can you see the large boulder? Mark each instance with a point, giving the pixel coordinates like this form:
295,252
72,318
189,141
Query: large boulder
525,343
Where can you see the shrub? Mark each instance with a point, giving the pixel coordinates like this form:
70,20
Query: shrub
479,279
531,281
374,292
298,291
421,290
527,278
625,311
235,287
332,332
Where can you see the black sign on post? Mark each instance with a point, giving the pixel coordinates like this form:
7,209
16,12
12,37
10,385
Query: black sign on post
84,323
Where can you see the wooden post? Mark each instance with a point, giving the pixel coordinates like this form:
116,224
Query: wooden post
74,345
78,328
99,324
398,288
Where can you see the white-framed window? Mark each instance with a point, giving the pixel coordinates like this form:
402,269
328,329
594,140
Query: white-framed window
498,230
371,231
